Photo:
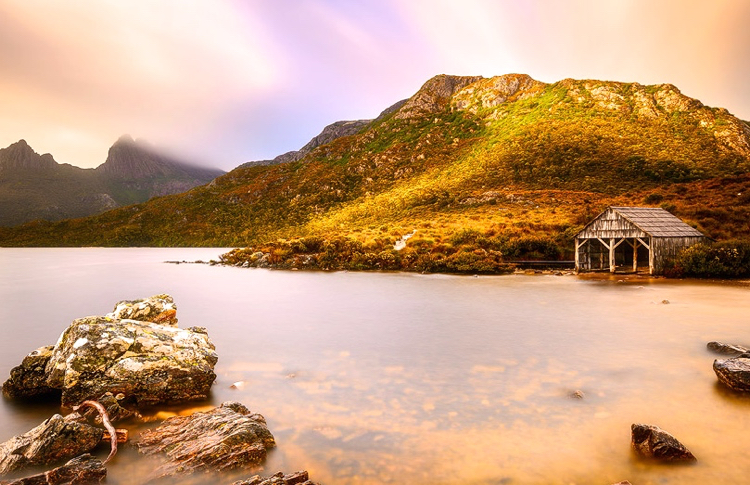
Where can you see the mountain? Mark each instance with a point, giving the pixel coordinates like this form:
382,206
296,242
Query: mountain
505,164
34,186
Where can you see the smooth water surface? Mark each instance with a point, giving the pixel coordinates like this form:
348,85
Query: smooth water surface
376,378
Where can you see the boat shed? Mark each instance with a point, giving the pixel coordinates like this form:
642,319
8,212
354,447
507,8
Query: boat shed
632,238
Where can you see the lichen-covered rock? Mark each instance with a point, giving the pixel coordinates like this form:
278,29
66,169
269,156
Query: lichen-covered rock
147,362
655,443
54,440
159,309
81,470
296,478
734,373
226,437
29,379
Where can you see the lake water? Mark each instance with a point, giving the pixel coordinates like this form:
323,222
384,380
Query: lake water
376,378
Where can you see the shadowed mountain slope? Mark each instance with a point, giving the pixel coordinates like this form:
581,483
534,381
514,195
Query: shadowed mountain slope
34,186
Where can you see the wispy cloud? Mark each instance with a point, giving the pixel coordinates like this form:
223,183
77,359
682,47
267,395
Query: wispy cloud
233,80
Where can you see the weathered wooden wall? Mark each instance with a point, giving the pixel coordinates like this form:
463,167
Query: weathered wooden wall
610,225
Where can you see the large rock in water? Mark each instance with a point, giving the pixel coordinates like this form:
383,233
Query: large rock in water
653,442
54,440
147,362
30,378
224,438
734,373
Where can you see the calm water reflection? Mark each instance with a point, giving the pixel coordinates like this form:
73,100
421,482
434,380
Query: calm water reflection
399,378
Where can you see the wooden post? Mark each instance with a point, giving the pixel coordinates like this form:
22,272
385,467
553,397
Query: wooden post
611,255
578,264
650,255
635,256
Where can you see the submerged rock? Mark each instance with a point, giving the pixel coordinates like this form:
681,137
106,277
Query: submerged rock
653,442
54,440
30,379
159,309
147,362
226,437
734,373
84,469
279,478
722,348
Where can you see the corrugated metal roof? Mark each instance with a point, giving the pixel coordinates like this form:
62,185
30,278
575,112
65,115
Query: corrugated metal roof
657,222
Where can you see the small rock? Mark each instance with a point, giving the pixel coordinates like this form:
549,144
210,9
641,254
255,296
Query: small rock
279,478
722,348
30,379
224,438
653,442
238,385
577,394
54,440
665,302
159,309
734,373
84,469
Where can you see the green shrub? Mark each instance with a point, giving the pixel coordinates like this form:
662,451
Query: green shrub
729,259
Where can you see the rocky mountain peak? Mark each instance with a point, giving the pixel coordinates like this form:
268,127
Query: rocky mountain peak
20,155
488,93
434,95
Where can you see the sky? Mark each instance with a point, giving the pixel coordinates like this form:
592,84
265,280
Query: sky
222,82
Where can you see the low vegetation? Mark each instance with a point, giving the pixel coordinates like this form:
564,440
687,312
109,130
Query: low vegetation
727,259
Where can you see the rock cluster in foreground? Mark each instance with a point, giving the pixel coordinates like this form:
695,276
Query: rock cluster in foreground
134,356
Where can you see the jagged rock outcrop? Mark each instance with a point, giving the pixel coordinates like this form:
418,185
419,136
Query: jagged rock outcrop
81,470
296,478
226,437
134,160
54,440
147,362
488,93
653,442
734,373
20,156
30,378
435,95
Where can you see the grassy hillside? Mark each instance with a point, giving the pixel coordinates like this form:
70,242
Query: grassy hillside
503,168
